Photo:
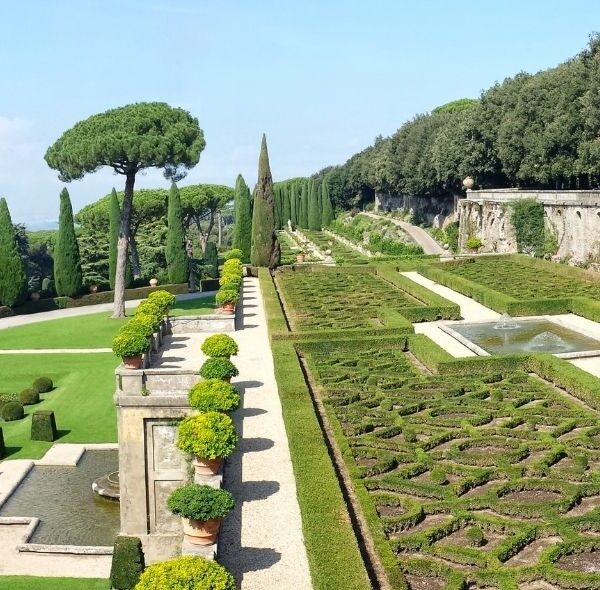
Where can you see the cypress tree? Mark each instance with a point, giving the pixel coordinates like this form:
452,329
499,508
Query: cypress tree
114,217
242,231
327,207
175,252
13,278
314,212
211,260
277,209
264,241
287,214
303,223
293,203
67,265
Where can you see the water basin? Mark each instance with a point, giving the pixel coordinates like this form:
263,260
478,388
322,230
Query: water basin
71,513
524,335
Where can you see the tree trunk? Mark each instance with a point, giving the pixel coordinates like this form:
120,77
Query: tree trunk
135,258
124,231
220,234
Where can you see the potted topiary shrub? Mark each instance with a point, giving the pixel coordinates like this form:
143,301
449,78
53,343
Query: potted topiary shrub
220,345
187,571
209,437
164,299
233,254
300,256
226,299
473,244
202,509
218,368
130,344
214,395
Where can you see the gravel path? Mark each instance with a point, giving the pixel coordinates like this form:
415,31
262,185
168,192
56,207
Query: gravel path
261,542
418,234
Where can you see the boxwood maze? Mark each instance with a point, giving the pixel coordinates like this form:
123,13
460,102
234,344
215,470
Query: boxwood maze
521,285
341,253
488,481
327,298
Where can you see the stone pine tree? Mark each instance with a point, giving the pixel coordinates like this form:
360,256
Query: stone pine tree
129,139
242,231
13,278
264,241
114,214
175,251
67,264
293,203
211,260
314,210
303,223
326,203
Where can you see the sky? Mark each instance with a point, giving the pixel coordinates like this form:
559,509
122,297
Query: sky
320,78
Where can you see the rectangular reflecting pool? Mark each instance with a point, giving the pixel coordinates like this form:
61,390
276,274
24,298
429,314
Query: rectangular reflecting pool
522,335
71,513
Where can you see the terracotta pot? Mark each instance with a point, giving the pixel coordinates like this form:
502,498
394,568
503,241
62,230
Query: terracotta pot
228,307
201,532
299,257
132,362
35,296
207,466
153,282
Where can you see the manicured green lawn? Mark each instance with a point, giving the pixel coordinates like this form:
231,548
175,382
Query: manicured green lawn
34,583
95,330
82,399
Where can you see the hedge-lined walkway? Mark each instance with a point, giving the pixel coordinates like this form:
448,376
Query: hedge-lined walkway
261,542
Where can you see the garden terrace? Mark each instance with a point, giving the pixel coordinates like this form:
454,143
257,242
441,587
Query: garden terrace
325,298
341,253
521,285
288,253
432,456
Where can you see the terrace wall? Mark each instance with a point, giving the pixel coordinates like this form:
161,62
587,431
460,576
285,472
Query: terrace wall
433,209
572,216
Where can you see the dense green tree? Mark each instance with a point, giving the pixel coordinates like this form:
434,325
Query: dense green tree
287,210
211,260
175,252
327,215
314,210
242,232
68,277
277,206
114,215
13,279
303,220
293,193
129,139
264,241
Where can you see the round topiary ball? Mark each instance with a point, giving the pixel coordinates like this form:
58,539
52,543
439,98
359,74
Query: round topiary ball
214,395
43,384
220,345
29,396
12,411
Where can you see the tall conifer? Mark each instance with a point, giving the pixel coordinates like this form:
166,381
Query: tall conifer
242,231
326,201
175,251
67,265
13,278
314,211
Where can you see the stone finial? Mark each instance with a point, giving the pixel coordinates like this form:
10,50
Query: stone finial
468,182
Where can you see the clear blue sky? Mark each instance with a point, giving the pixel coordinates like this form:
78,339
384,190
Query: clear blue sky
321,78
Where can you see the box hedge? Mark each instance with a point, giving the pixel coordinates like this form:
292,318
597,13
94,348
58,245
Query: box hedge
127,563
43,426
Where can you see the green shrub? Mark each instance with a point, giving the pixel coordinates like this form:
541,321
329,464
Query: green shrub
43,426
29,397
130,341
145,323
409,435
474,243
186,573
200,502
233,254
151,308
210,435
218,368
12,411
214,395
43,384
475,537
228,295
438,476
162,299
127,563
220,345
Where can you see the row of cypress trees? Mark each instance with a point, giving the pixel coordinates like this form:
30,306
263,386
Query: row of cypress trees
304,202
68,276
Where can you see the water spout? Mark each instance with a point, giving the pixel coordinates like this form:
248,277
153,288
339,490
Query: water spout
547,342
506,322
